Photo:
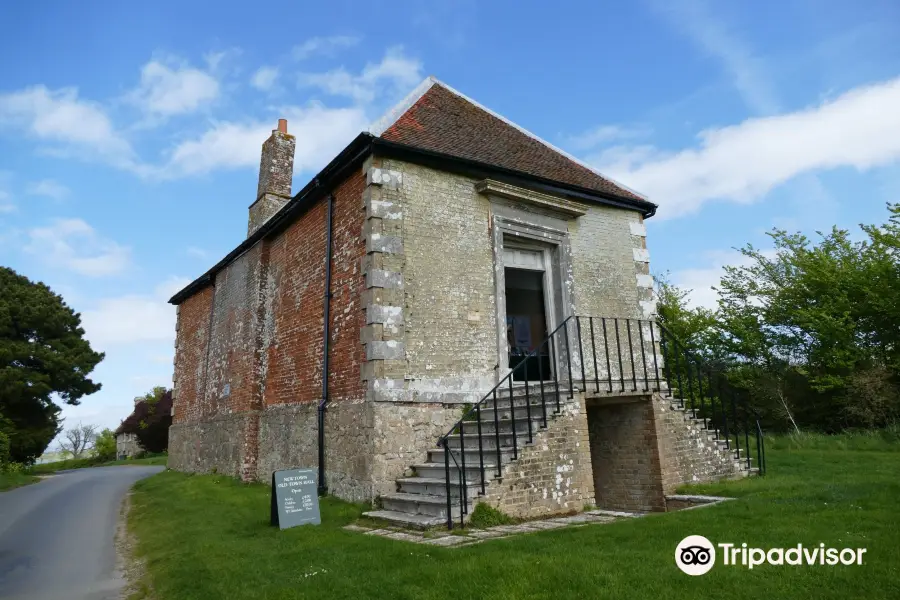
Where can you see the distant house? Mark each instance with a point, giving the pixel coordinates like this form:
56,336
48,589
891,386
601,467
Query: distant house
442,248
126,445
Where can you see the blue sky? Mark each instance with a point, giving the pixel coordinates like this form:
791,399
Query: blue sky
130,133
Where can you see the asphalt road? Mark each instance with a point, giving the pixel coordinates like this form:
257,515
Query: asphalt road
57,537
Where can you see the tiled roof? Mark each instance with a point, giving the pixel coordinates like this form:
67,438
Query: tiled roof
446,122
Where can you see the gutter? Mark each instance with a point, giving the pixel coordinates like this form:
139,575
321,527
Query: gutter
323,403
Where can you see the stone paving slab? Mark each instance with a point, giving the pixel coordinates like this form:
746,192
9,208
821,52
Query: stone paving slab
406,537
546,524
487,534
476,535
450,540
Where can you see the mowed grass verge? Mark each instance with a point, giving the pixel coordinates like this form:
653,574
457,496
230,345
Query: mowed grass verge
9,481
84,463
208,537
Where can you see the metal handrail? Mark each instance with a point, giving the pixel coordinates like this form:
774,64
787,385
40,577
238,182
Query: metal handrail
708,394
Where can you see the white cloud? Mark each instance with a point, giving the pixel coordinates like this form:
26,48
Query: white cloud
6,203
134,317
395,72
323,45
48,188
171,88
264,78
61,117
743,162
701,280
696,20
196,252
603,134
74,245
320,133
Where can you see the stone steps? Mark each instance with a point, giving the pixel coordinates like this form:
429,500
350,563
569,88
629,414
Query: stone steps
421,500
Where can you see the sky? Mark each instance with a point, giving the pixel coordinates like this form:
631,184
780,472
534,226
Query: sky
130,132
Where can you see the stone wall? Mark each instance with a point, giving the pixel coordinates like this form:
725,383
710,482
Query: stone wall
403,433
429,237
288,438
687,454
553,474
625,455
213,444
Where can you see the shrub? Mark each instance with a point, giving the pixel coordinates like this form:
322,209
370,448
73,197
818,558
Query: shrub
4,449
485,515
105,445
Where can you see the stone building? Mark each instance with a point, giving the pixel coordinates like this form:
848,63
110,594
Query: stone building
126,445
365,313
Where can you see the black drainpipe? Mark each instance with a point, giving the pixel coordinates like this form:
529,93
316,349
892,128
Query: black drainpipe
323,486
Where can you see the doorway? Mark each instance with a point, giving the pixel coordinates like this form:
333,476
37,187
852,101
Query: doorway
526,323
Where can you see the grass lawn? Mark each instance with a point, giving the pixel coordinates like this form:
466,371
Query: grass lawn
208,537
83,463
9,481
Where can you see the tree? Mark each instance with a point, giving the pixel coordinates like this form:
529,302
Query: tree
105,445
78,440
811,329
150,420
43,355
816,325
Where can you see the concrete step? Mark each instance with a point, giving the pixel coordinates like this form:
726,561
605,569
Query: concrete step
436,455
435,486
421,504
534,395
505,426
534,409
488,442
473,471
414,521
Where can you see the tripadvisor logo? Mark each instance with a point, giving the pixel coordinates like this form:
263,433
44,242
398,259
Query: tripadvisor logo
696,555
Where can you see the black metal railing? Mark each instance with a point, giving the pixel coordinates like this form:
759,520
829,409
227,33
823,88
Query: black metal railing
612,356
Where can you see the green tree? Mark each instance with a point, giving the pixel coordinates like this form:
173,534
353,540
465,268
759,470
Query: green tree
43,356
811,329
105,445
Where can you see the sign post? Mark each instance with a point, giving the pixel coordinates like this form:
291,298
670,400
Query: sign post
295,499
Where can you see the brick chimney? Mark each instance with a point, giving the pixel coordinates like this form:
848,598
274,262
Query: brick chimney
276,169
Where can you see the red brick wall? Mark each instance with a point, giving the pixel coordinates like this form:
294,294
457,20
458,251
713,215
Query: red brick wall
294,353
266,309
231,378
347,353
190,356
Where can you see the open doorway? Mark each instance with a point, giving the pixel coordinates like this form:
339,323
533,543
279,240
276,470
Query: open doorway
526,323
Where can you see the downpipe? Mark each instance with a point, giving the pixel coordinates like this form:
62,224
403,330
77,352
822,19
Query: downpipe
326,340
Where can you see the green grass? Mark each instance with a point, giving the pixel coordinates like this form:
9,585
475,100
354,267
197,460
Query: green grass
208,537
83,463
9,481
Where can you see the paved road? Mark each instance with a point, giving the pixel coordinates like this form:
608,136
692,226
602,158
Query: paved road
57,537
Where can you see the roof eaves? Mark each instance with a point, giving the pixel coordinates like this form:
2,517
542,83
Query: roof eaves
469,166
